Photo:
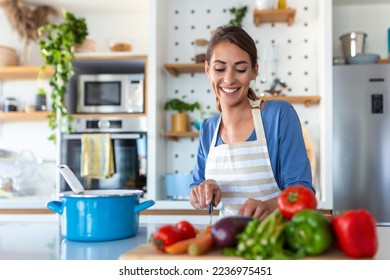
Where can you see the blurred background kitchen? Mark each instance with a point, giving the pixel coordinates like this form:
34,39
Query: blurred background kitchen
298,49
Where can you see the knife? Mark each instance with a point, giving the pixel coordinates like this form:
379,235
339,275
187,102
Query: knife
211,207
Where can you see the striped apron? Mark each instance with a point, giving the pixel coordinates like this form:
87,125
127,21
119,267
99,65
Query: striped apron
242,170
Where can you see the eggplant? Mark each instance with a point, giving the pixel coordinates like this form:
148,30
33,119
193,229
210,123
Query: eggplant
225,231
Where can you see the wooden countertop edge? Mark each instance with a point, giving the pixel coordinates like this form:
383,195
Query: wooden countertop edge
31,211
155,212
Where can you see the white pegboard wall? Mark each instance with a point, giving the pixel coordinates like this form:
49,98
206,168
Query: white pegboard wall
297,58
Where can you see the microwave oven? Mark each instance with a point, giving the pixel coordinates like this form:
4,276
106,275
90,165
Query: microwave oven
111,93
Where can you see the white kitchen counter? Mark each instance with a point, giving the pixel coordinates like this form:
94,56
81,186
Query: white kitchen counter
26,202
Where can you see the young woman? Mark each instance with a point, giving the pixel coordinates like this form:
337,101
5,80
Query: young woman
253,149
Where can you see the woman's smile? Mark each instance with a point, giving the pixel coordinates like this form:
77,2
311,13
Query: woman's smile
229,90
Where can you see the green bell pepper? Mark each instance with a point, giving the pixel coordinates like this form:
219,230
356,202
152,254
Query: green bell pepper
309,232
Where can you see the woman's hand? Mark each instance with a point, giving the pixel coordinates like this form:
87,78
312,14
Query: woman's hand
257,208
202,194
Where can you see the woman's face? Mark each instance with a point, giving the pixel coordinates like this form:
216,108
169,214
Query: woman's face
230,72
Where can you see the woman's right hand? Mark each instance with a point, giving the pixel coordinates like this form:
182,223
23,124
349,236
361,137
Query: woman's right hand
202,194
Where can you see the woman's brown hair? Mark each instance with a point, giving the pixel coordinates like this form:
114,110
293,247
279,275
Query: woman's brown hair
238,36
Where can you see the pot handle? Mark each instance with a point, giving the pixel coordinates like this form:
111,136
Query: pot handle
143,206
55,206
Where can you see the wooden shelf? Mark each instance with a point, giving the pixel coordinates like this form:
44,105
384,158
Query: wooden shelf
22,116
180,68
274,15
31,72
176,135
306,100
22,72
301,99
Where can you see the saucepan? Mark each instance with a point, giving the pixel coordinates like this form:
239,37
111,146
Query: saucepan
98,215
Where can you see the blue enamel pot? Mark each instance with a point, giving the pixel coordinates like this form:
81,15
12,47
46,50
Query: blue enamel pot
99,215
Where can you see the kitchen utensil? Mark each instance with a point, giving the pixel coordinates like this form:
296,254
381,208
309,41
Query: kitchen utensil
71,179
99,215
211,208
364,58
353,43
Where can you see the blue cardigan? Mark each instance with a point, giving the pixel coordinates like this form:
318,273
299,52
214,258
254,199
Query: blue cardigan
286,146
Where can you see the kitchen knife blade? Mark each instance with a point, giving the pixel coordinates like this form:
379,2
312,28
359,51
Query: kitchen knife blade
211,207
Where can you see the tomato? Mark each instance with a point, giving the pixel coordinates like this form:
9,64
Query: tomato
187,229
294,199
166,236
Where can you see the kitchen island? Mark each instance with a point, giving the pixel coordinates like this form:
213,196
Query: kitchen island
42,240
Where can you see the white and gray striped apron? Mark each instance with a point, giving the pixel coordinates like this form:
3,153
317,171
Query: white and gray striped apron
242,170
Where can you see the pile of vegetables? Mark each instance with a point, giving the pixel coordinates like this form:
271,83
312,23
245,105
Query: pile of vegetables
294,230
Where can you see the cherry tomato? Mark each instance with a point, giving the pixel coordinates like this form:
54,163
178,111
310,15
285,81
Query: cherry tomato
165,236
187,229
294,199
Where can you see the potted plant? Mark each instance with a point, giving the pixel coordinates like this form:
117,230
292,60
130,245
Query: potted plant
40,99
239,14
57,42
180,119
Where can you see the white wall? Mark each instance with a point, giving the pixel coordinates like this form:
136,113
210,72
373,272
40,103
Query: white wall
298,60
372,19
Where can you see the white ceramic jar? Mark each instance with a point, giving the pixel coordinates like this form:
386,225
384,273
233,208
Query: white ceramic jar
265,4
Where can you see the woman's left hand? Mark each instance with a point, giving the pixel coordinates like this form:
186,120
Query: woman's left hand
257,208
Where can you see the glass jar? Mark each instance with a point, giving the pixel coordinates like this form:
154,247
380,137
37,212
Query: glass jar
10,104
200,50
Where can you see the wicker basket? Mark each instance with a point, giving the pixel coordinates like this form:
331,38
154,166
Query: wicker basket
8,56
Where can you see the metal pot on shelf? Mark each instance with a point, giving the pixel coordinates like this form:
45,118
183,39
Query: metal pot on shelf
353,43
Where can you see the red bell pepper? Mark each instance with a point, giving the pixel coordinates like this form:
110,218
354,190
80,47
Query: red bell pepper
355,233
166,236
169,234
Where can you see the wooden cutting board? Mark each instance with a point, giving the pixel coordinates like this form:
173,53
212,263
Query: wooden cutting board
149,252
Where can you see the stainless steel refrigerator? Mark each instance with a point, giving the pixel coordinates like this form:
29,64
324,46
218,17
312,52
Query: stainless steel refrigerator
361,139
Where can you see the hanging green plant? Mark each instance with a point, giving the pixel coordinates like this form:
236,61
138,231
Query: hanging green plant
56,44
239,14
